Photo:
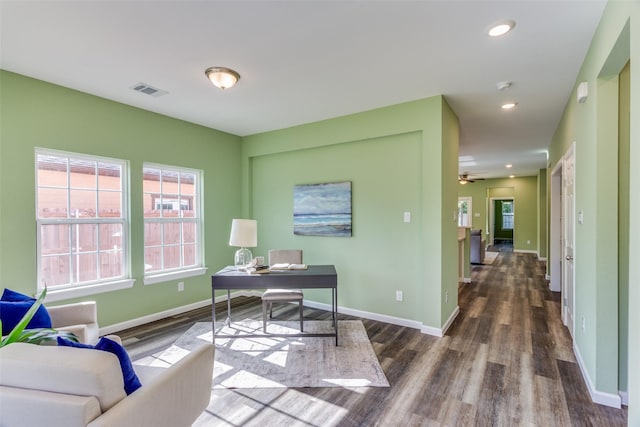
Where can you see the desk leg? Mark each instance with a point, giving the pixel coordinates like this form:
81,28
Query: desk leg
335,312
228,307
213,315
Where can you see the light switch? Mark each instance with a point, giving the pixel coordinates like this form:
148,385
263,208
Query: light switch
407,217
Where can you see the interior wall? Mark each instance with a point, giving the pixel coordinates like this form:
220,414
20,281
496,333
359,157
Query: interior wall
39,114
542,214
397,161
524,192
624,167
588,124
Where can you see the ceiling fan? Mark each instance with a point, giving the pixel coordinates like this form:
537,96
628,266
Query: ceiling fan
464,178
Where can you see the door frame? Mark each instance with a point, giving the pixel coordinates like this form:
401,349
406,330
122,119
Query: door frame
558,263
492,218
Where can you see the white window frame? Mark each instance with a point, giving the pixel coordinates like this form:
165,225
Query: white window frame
509,215
469,201
80,289
160,276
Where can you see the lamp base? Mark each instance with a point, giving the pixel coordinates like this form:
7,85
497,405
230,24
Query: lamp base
243,258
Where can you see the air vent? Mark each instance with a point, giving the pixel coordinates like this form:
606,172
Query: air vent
149,90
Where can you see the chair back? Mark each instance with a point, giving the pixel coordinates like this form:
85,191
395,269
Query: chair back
291,256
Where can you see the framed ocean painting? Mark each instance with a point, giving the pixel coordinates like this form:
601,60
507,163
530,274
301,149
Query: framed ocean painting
322,209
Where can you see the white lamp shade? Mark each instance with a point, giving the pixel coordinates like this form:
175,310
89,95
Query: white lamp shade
244,233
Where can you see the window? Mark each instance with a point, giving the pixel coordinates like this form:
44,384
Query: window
464,211
172,223
81,216
507,215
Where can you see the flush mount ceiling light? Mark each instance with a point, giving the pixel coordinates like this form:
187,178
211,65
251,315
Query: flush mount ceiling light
508,166
502,86
222,77
509,105
501,28
512,176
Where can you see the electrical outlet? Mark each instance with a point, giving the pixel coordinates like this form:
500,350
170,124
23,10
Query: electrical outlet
528,242
180,286
446,296
399,296
584,324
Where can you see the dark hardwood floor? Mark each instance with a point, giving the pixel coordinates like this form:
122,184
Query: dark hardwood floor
507,360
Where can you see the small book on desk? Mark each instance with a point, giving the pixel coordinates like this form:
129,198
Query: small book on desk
286,266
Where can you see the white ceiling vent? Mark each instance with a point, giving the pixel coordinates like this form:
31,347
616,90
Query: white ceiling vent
149,90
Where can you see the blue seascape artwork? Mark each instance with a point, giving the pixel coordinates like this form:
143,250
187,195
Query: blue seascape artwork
322,209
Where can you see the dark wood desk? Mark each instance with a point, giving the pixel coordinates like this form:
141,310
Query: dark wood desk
315,277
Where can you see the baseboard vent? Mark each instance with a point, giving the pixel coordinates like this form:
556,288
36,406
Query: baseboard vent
148,89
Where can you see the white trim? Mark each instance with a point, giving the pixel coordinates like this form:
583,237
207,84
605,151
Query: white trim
171,312
542,258
429,330
87,290
607,399
525,251
624,396
547,277
466,280
174,275
449,321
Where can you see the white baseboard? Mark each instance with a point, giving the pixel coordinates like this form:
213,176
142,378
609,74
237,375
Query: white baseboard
606,399
429,330
624,396
106,330
466,280
367,315
525,251
542,258
547,277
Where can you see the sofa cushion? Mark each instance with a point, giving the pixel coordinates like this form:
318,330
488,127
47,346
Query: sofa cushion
78,371
14,305
131,381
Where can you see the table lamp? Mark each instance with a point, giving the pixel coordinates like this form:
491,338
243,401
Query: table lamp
244,234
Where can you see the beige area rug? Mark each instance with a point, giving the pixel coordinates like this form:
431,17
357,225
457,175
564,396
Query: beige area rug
271,362
490,257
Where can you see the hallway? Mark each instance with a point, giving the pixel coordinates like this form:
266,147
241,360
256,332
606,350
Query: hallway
511,323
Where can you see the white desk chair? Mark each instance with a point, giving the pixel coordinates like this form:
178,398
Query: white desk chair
277,256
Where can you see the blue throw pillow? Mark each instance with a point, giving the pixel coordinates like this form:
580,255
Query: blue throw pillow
14,305
131,381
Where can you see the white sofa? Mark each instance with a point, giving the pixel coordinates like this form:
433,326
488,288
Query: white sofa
80,318
69,387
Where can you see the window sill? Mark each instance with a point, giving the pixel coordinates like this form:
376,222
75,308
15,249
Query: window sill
83,291
174,275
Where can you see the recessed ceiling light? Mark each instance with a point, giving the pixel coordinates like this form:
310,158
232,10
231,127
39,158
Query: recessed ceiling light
508,166
509,105
501,28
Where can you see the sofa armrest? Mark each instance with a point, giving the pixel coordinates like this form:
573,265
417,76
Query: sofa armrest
24,407
73,314
175,398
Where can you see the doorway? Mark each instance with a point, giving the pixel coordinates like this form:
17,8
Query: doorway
501,220
561,248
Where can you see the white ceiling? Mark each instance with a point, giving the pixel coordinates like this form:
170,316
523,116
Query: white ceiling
303,61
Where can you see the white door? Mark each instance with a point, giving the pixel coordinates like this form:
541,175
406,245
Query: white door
568,280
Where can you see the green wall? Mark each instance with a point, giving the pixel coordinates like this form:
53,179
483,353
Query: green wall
399,159
542,213
594,128
524,192
38,114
